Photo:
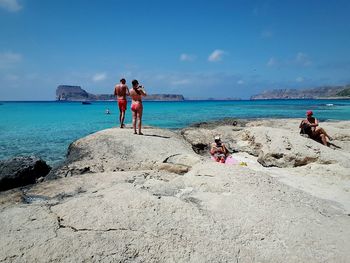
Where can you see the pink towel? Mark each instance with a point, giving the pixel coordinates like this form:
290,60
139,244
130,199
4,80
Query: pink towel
229,160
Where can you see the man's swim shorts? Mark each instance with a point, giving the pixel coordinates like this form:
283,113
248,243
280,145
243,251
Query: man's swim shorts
122,104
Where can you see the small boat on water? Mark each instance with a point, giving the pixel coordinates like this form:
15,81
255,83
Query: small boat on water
329,104
85,103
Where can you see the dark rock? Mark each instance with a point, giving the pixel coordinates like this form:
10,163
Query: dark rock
71,93
200,148
20,171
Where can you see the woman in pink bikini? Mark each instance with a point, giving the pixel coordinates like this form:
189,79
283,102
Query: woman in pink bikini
136,94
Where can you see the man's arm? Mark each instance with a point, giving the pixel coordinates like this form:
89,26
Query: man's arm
127,91
316,123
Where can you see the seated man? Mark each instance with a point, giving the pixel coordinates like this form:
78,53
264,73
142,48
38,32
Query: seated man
310,127
218,150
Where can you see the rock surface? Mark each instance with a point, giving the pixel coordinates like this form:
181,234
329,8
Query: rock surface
214,213
283,153
121,150
20,171
276,142
200,211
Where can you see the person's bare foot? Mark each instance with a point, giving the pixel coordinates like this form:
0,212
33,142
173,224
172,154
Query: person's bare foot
140,133
135,132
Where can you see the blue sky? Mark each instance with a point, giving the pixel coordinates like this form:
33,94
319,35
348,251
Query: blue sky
200,49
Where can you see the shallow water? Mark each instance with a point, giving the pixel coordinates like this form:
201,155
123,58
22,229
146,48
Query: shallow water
47,128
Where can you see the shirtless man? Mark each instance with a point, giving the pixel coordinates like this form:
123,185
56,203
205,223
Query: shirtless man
121,91
311,128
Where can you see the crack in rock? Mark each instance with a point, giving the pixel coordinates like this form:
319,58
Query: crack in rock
166,159
10,258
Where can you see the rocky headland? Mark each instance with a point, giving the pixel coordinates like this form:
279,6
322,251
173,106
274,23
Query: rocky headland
328,92
76,93
121,197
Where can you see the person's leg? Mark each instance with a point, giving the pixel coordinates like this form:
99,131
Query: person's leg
139,117
325,134
320,131
324,139
122,119
134,116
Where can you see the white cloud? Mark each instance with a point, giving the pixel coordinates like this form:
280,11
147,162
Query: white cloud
8,59
272,62
187,57
299,79
216,55
240,82
99,77
10,5
302,59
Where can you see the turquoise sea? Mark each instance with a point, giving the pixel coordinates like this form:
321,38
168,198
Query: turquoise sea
47,128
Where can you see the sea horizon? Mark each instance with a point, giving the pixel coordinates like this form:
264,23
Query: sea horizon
272,99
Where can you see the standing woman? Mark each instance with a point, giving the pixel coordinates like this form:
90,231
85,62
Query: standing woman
136,94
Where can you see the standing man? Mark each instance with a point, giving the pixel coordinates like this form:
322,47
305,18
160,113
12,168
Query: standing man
121,90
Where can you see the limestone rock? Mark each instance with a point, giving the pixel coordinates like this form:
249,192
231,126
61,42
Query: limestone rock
121,150
287,149
276,142
213,213
172,205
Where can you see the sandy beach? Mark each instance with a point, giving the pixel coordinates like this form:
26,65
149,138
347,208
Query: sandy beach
121,197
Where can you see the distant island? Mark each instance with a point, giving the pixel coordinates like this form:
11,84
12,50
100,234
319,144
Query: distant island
76,93
327,92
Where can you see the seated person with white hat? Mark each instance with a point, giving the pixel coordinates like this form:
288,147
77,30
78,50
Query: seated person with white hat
218,150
